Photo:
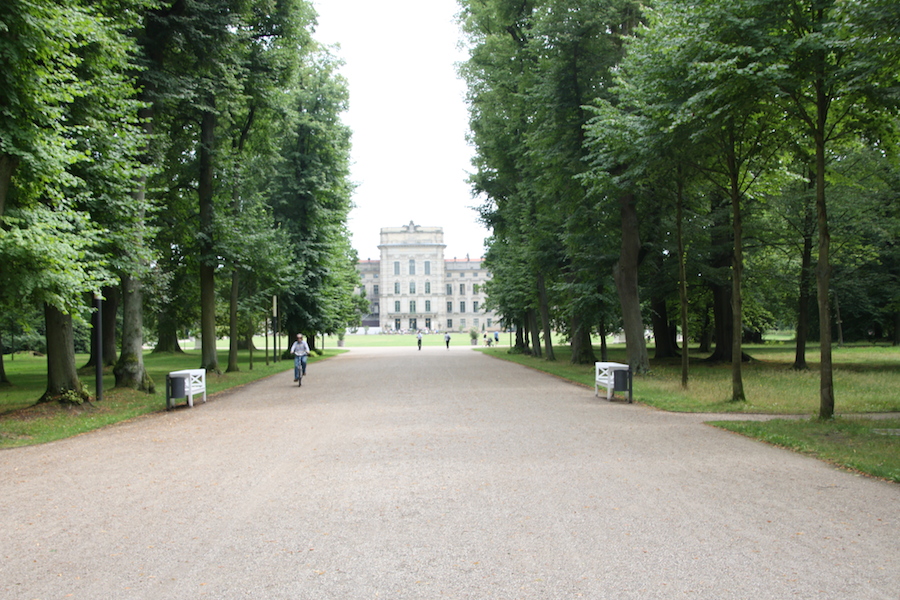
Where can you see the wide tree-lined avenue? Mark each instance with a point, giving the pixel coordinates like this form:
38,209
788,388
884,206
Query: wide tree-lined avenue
373,480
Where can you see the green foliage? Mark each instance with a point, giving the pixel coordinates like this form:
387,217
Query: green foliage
39,57
533,67
311,201
45,254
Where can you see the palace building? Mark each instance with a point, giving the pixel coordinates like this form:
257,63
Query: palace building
413,287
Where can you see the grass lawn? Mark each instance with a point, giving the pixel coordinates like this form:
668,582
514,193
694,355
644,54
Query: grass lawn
869,446
22,422
866,378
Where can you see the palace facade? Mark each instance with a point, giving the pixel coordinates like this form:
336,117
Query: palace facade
413,287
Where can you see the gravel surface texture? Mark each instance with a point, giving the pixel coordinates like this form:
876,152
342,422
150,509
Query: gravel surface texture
397,473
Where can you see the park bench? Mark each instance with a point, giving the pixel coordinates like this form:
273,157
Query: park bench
605,376
187,383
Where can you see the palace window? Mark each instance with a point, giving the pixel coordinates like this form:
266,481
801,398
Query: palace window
396,306
412,266
428,267
396,287
396,267
412,306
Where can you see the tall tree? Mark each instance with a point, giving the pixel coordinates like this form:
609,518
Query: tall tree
311,199
59,156
713,91
825,76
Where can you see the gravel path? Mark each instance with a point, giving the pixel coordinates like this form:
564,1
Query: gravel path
396,473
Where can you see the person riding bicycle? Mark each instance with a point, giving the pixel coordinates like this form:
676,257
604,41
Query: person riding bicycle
300,350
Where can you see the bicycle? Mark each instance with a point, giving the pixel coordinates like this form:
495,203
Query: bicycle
299,369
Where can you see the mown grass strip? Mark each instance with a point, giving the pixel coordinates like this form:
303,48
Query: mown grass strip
870,446
866,381
22,422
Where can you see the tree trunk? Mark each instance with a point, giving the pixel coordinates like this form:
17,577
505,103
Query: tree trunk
682,284
804,296
895,338
209,357
8,165
246,342
839,323
62,375
520,336
823,268
706,334
545,317
625,274
582,350
110,314
737,271
235,276
722,323
167,334
3,379
233,332
666,346
721,286
535,333
604,349
129,370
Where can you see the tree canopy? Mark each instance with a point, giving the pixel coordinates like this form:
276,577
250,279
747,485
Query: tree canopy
686,154
185,152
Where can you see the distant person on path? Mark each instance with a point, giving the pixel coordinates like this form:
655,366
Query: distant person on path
419,339
300,350
496,337
447,339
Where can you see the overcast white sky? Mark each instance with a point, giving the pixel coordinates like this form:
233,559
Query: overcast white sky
408,116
